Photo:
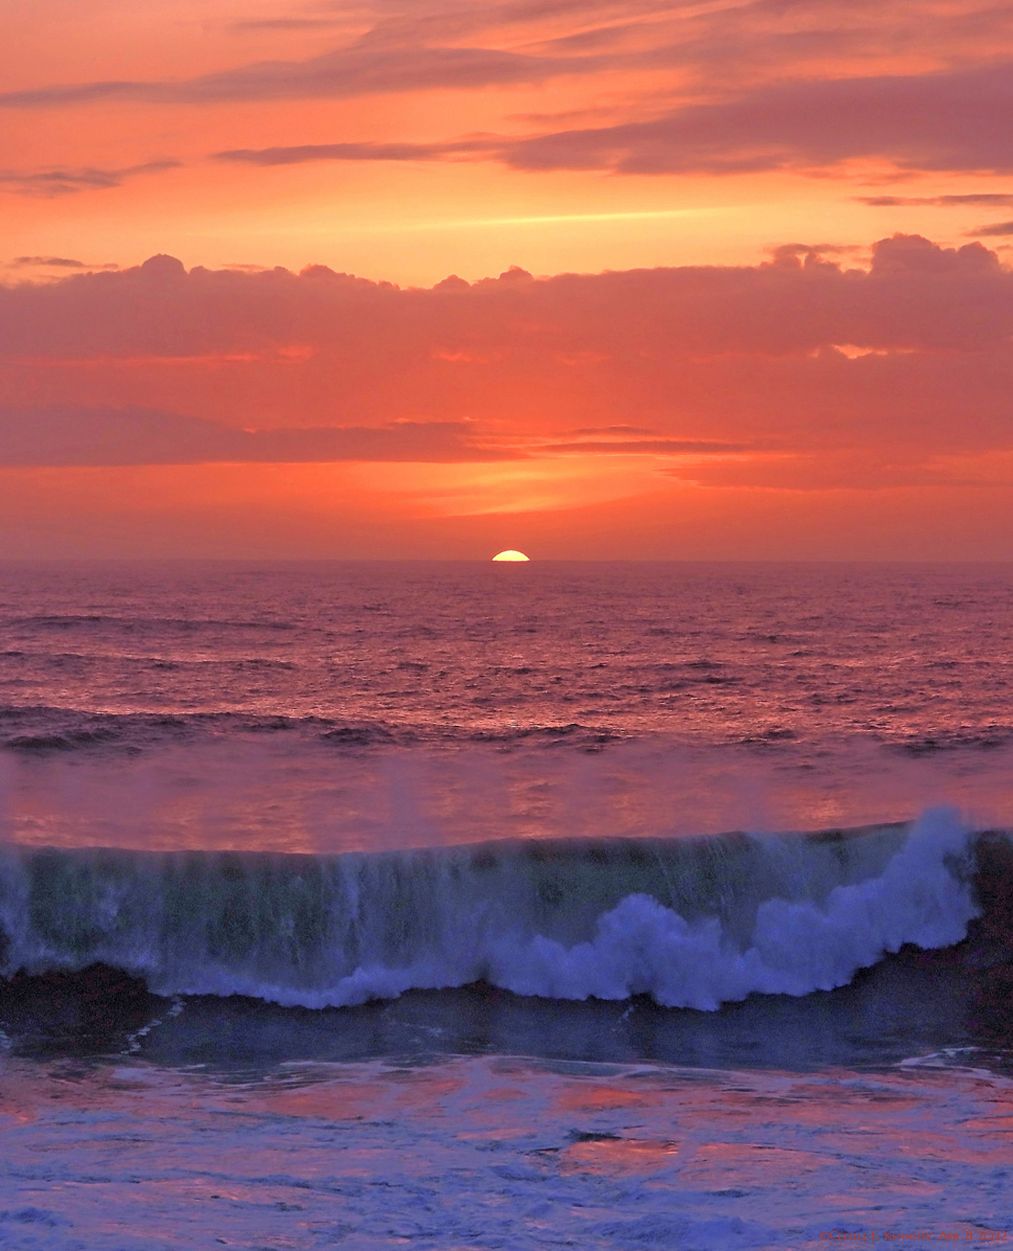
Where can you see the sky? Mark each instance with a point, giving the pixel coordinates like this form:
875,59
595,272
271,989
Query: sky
427,279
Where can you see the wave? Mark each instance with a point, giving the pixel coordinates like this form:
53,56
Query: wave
80,659
73,621
588,738
981,738
690,922
41,729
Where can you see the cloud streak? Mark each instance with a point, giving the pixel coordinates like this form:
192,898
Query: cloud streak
47,262
946,121
51,183
994,230
91,437
365,68
306,153
976,199
648,447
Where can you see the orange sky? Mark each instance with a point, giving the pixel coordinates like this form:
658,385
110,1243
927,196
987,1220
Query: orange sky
727,333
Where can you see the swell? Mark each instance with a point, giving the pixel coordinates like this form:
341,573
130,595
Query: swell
131,624
46,730
690,922
39,729
33,729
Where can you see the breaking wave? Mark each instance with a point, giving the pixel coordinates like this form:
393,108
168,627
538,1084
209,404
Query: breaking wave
690,922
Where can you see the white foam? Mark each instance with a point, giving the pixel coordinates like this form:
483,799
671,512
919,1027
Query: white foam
642,947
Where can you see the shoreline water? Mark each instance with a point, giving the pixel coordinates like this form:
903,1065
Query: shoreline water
498,1153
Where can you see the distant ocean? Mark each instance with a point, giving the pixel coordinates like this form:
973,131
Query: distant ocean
513,906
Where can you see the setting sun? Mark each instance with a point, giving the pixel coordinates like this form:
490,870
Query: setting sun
510,555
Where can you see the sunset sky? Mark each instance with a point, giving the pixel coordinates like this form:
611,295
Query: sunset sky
430,278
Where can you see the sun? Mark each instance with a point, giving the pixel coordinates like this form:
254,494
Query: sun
510,555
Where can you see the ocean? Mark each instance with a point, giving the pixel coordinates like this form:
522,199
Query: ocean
505,906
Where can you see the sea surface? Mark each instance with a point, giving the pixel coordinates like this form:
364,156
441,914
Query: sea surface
505,906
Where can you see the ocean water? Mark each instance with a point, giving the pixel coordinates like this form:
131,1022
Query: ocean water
505,906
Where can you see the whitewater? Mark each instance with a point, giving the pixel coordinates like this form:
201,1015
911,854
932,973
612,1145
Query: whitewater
692,923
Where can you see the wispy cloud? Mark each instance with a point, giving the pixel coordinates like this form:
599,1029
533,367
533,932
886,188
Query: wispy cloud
975,199
284,24
994,230
648,447
953,121
944,121
63,181
47,262
64,436
364,68
300,154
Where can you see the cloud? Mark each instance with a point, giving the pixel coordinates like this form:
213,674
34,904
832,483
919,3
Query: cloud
47,262
405,48
994,230
978,199
411,47
308,152
947,121
620,428
50,183
915,296
364,68
59,263
911,357
648,447
860,470
283,23
416,23
67,436
676,88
